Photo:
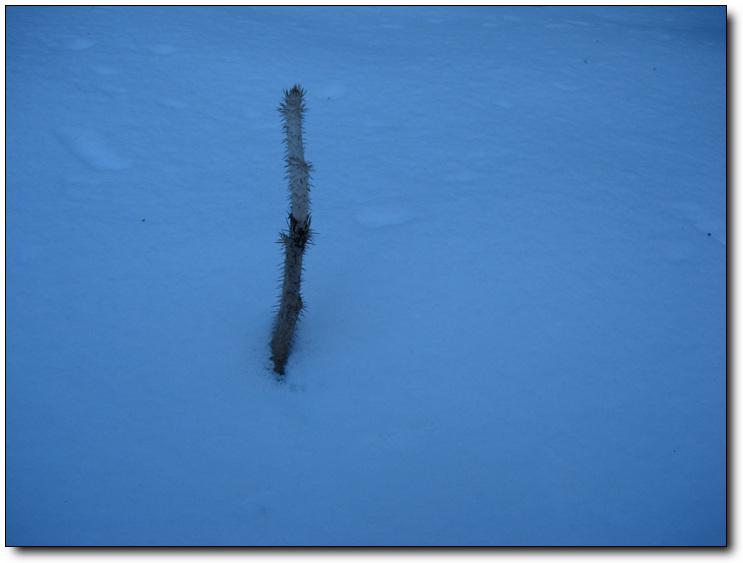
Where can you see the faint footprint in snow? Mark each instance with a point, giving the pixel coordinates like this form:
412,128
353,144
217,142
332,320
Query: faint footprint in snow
93,149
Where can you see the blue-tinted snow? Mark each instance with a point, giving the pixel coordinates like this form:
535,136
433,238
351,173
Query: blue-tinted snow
515,331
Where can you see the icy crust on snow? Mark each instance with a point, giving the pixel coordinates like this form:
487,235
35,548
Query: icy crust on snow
515,326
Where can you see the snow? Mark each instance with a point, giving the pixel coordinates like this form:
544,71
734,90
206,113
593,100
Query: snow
516,322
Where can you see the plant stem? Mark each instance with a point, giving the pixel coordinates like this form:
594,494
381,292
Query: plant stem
297,238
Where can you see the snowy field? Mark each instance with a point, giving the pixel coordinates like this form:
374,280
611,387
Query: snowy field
516,301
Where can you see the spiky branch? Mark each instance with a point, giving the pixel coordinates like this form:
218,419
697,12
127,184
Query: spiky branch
298,236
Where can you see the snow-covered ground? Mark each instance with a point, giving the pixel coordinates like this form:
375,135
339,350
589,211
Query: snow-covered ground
516,323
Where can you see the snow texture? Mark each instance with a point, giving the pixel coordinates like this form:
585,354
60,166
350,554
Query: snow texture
516,302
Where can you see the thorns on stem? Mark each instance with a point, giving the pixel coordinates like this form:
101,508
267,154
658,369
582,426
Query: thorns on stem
299,234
